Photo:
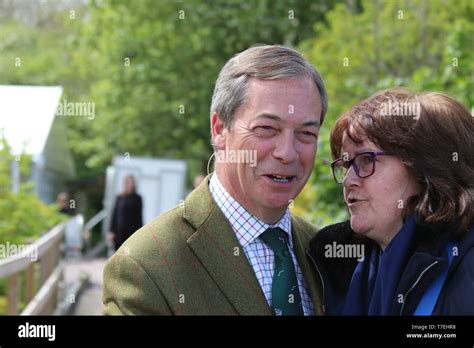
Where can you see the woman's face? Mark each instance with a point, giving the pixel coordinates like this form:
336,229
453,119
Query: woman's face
376,202
129,184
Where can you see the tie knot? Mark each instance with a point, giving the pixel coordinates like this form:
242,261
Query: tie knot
275,238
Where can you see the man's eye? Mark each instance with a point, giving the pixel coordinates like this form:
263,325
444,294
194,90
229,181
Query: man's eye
308,137
265,131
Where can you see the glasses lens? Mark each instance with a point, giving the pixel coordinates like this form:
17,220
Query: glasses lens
365,164
339,171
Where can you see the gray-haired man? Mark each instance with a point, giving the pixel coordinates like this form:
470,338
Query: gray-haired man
233,246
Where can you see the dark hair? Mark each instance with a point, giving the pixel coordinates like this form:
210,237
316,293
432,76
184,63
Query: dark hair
436,143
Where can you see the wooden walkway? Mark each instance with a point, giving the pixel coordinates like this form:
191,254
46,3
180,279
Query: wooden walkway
89,301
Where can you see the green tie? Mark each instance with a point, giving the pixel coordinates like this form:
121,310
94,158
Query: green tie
286,298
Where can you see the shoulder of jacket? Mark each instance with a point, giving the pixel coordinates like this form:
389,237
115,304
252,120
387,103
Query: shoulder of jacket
303,227
168,231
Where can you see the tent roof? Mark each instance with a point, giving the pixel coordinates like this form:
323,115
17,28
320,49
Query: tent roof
26,116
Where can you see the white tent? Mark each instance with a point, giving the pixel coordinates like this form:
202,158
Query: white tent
29,124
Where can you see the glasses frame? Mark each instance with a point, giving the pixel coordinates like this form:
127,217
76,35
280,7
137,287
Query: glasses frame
351,162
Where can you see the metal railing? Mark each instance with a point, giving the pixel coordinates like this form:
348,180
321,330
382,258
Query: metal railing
93,251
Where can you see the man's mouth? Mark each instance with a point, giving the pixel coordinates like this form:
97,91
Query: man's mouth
281,178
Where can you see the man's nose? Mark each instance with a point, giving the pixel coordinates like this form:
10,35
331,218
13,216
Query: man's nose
285,149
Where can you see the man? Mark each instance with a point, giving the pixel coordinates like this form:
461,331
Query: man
232,247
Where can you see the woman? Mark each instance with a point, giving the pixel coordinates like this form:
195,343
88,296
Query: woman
127,215
406,162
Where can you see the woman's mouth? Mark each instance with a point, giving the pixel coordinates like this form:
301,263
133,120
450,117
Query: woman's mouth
352,201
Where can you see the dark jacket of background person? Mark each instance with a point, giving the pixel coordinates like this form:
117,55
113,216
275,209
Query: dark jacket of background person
428,259
127,217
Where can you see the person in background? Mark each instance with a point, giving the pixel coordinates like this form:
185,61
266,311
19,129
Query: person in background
406,163
127,213
62,201
73,238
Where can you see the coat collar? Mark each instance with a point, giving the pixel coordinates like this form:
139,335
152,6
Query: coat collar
217,248
337,271
428,246
312,279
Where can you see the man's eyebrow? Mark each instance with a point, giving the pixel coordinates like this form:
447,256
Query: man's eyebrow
270,116
278,119
311,123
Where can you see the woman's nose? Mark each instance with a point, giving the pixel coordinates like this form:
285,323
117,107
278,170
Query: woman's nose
351,178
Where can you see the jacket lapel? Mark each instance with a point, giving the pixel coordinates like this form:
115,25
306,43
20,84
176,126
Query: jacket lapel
217,248
313,281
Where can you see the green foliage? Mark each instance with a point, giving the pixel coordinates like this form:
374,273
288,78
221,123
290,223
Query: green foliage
24,217
158,65
158,105
422,45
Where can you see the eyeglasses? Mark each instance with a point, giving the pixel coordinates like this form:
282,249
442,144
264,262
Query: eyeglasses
363,164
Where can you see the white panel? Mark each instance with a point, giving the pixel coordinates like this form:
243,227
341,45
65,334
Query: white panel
172,190
149,188
160,182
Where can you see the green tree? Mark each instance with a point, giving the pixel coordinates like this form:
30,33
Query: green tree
157,67
24,217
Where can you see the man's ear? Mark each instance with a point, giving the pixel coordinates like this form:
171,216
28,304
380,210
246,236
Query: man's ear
218,132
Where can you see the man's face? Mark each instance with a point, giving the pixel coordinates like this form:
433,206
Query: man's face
280,122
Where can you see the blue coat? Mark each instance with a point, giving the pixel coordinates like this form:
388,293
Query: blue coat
428,259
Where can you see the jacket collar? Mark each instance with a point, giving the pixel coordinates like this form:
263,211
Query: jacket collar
337,271
428,253
429,259
312,280
217,248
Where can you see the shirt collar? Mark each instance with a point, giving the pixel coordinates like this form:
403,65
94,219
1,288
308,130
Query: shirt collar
246,226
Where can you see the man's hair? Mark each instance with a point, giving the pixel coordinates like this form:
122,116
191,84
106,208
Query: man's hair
265,62
436,145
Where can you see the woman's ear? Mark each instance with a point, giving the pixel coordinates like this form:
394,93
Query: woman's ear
218,132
